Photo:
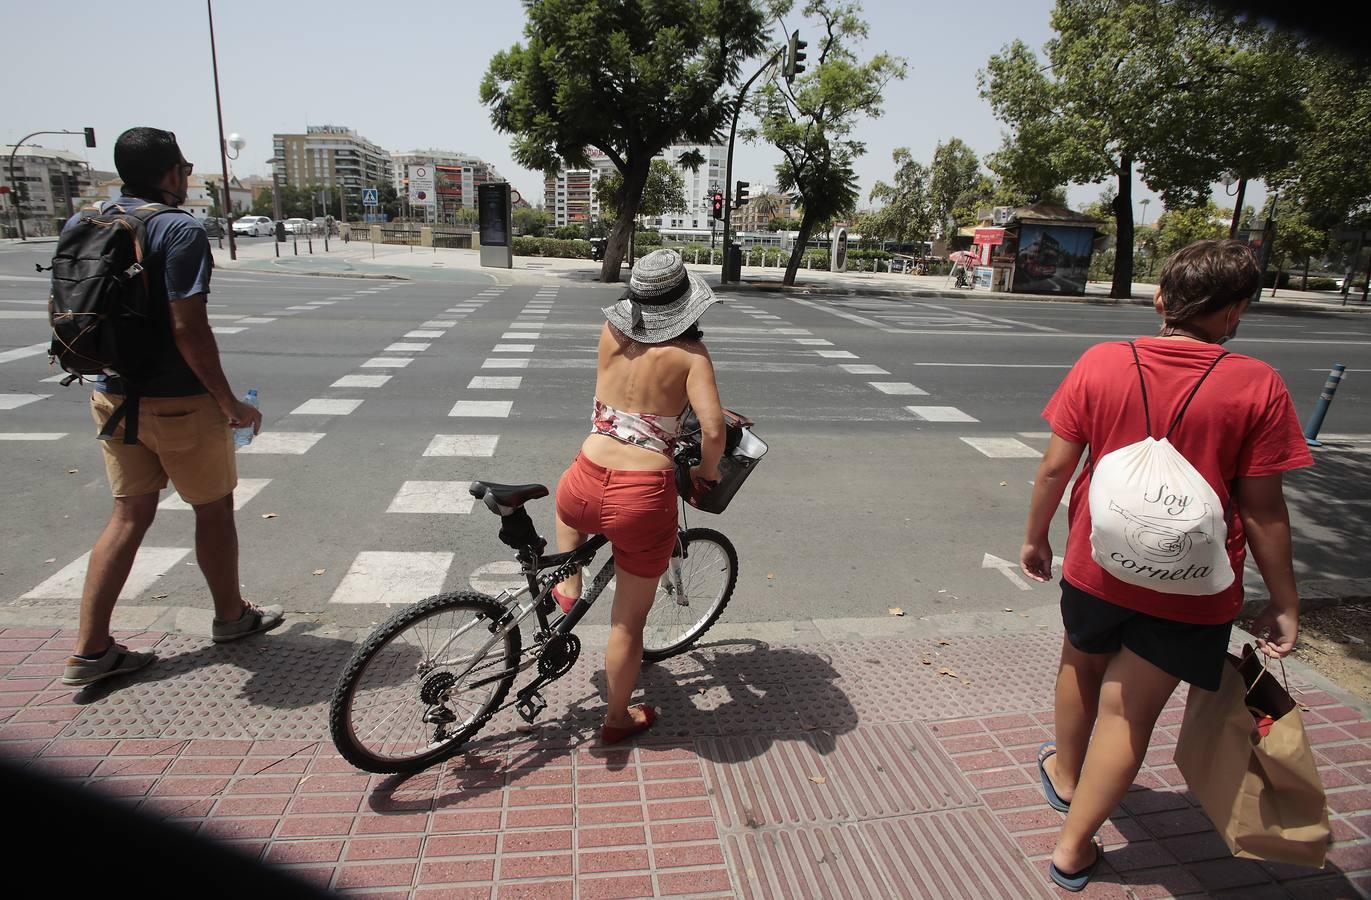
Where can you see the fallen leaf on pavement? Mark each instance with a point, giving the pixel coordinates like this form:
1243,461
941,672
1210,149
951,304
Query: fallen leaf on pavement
818,779
944,643
318,571
770,576
926,661
895,611
268,515
53,560
1009,609
159,596
1004,484
72,471
948,672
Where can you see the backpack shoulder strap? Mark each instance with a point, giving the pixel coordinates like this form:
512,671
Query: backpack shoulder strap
1193,391
1137,363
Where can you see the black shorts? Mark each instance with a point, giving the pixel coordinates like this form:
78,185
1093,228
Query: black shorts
1193,653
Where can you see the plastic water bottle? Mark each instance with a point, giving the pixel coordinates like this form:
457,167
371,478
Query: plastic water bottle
243,436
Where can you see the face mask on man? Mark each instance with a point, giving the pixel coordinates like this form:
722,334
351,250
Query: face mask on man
1230,331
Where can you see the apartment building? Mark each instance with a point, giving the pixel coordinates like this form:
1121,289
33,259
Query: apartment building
569,197
51,184
456,177
331,156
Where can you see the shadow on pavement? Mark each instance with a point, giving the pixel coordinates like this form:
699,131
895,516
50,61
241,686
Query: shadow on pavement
1329,504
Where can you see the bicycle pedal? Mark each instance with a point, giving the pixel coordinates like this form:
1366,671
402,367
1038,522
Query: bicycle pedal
530,705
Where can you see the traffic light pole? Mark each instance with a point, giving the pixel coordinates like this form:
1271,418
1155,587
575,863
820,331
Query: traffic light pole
14,186
728,166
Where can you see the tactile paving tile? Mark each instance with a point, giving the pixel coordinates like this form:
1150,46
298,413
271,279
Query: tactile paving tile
783,779
276,686
823,862
891,770
994,675
951,855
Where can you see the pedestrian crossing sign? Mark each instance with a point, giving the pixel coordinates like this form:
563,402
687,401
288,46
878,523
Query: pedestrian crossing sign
369,197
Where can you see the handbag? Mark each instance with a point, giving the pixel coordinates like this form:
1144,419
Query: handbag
742,451
1245,756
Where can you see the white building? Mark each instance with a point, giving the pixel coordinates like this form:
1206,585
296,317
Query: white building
50,182
456,176
570,197
697,220
328,156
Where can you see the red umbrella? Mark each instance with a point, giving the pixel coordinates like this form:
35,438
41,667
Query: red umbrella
963,257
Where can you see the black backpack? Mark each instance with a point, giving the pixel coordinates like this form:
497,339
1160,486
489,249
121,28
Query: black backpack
102,305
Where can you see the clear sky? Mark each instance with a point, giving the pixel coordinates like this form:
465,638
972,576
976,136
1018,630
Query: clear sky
407,76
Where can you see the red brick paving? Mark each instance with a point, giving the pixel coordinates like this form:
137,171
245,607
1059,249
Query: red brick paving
549,815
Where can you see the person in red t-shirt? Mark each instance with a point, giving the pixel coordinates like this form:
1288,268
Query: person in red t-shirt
1127,647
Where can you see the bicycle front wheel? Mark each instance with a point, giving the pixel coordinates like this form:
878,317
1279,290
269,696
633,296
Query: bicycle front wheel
424,682
692,593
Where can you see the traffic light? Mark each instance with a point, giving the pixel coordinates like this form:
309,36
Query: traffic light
718,204
742,194
90,137
794,57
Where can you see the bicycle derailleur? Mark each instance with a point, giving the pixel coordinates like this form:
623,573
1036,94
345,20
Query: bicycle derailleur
434,694
558,655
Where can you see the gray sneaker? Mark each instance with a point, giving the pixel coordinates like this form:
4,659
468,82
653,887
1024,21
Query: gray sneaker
117,660
254,619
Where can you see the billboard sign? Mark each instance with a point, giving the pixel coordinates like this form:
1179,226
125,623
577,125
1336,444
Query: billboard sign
991,236
1053,259
420,185
839,261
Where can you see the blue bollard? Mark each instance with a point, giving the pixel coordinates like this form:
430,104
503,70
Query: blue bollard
1330,387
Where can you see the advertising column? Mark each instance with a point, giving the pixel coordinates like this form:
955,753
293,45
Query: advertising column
497,225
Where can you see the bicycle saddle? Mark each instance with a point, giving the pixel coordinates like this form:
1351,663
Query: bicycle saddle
508,495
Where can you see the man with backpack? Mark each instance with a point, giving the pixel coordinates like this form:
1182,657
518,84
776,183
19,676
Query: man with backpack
130,280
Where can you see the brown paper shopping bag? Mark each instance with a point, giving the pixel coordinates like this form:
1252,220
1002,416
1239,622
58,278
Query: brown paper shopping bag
1263,794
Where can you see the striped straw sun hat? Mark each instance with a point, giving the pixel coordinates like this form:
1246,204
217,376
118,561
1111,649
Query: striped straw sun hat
663,299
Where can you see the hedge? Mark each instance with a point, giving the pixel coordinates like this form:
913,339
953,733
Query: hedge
552,247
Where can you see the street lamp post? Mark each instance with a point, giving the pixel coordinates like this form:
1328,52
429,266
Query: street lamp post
223,144
14,187
728,166
1229,178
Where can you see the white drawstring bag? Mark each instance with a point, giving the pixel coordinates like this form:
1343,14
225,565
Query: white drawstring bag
1155,521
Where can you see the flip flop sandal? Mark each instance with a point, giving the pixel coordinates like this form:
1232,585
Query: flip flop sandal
1054,799
1076,881
611,735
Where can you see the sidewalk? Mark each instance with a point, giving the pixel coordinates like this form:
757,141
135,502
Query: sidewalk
356,260
880,768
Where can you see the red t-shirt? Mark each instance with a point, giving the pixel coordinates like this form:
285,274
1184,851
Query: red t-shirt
1241,423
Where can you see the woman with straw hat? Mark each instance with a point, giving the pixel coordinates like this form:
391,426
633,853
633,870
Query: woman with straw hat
652,365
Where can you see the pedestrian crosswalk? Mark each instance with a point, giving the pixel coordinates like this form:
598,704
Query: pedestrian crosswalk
523,347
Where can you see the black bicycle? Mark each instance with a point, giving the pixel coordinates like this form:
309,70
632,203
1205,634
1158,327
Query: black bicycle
426,681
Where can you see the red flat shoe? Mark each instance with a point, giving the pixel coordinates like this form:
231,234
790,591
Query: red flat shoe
611,735
563,601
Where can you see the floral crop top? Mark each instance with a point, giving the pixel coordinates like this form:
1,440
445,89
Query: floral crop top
645,430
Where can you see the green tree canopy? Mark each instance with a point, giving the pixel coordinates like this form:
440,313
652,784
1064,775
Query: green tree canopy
955,185
531,222
811,123
906,212
625,77
663,192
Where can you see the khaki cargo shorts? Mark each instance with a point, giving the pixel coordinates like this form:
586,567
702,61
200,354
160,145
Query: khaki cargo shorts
184,439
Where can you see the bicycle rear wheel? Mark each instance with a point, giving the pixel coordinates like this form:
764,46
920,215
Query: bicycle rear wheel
689,603
424,683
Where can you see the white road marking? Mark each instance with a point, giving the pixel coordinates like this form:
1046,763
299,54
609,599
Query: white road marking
837,354
320,406
898,387
485,409
404,347
505,364
997,319
221,329
495,577
862,369
1008,569
365,381
984,365
436,497
1002,447
520,336
300,308
246,490
768,318
223,317
941,414
1035,435
14,401
439,323
321,302
791,331
494,383
292,443
32,435
386,362
255,320
23,352
382,576
53,379
462,445
424,334
148,565
512,348
23,314
813,342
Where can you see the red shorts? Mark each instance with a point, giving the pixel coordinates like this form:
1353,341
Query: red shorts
635,510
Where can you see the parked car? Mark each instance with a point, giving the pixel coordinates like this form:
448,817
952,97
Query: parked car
254,226
297,226
214,227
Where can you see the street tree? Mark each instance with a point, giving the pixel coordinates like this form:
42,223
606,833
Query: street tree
1135,85
627,79
906,211
1178,228
955,184
663,192
530,222
811,121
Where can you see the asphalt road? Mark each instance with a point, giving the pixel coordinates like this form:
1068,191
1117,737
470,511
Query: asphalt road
860,506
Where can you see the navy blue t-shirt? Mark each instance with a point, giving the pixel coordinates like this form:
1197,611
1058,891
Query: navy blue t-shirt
178,246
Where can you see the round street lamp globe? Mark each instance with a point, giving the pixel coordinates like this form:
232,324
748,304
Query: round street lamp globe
236,141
